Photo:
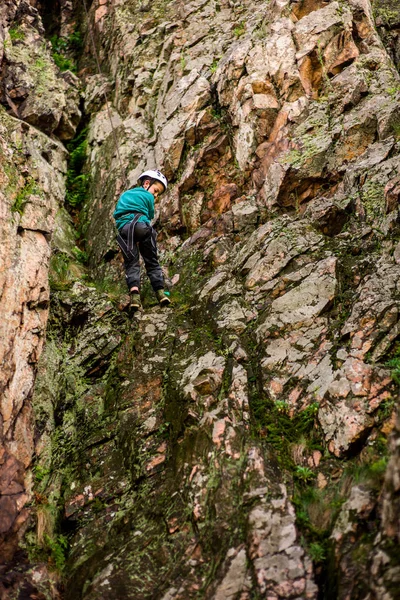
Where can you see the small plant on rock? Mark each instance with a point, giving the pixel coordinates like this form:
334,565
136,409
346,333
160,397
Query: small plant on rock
57,547
63,48
31,188
16,34
281,406
239,30
304,474
317,552
214,66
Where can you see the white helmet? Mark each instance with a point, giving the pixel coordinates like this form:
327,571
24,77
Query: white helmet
155,175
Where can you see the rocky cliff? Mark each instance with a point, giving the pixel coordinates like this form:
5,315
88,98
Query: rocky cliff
242,444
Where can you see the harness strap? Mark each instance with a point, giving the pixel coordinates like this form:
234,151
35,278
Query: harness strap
128,247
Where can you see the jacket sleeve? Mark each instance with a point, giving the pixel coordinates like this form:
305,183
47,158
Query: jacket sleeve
151,209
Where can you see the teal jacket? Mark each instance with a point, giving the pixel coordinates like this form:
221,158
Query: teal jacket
137,200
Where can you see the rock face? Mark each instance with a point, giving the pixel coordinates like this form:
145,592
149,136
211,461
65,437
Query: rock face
36,101
243,443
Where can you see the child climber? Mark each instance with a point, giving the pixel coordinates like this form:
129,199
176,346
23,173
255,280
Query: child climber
133,213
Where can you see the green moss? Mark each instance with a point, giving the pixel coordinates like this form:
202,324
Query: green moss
63,63
64,271
108,285
192,270
386,12
310,145
38,64
281,431
40,473
16,34
373,198
240,29
31,188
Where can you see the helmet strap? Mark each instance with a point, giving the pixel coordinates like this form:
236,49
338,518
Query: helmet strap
151,181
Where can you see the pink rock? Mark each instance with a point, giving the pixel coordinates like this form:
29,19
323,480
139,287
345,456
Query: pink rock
100,13
175,279
162,448
193,472
294,395
276,387
218,432
157,460
197,511
317,455
375,402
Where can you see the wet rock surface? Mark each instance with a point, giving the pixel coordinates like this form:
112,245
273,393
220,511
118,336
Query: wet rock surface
243,443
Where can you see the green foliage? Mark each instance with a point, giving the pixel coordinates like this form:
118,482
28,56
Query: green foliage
385,13
75,41
40,473
316,513
396,129
240,29
64,271
63,63
59,44
394,365
272,420
58,548
317,552
164,430
40,63
385,409
80,255
369,473
64,48
311,504
77,181
59,274
30,188
304,474
77,189
108,285
282,406
214,65
16,33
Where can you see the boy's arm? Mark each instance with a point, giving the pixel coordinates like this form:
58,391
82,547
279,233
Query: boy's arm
121,202
151,209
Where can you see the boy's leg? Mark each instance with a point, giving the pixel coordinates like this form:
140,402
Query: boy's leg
148,249
132,266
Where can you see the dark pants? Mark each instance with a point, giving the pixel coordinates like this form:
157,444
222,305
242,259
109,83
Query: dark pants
145,243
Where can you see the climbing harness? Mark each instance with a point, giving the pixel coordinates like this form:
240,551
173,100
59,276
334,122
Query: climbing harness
105,95
127,248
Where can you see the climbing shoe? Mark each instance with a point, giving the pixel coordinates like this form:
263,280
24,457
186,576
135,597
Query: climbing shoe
135,303
163,297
